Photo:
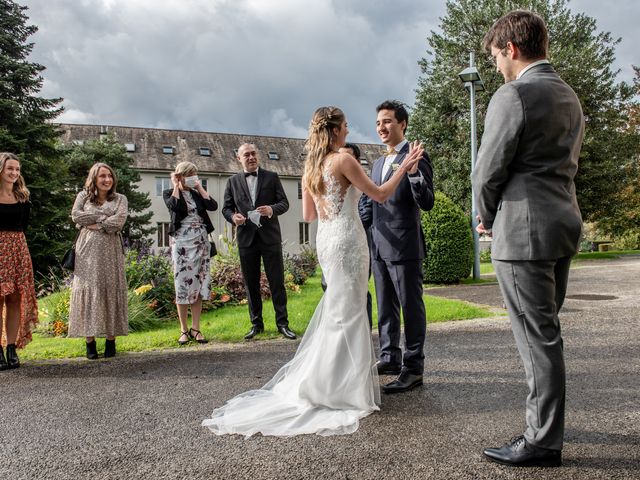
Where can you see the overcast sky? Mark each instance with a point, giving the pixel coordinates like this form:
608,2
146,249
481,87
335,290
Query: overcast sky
257,67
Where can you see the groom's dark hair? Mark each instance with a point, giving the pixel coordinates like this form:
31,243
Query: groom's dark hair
399,111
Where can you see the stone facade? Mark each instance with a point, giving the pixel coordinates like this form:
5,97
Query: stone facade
156,152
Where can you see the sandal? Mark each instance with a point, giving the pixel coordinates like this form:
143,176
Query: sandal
186,334
194,337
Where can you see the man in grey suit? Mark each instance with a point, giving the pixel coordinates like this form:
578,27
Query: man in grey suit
525,195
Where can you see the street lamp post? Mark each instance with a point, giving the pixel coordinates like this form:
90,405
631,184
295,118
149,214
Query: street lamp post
473,83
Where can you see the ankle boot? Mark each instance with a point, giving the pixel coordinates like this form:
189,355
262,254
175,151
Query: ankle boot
110,348
92,350
3,362
12,356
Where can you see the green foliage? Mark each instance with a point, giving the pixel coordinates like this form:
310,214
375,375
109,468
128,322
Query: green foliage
449,255
629,240
108,150
143,270
141,316
300,266
25,130
582,56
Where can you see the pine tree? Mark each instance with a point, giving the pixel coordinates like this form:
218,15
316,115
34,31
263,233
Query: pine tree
25,130
108,150
580,55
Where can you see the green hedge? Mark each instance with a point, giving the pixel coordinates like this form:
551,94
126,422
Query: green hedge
449,255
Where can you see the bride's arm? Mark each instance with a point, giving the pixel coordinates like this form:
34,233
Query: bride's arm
309,212
352,170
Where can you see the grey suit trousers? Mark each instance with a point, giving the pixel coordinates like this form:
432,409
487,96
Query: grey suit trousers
534,292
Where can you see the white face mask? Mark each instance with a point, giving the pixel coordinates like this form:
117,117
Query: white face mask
191,181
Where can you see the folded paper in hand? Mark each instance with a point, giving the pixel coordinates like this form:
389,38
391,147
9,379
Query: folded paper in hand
254,216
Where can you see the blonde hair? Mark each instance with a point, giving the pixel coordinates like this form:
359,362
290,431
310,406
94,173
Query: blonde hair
90,184
20,190
186,169
318,146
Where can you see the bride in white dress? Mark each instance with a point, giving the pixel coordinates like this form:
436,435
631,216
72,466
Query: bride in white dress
331,382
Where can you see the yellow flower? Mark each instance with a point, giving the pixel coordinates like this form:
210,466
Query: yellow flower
143,289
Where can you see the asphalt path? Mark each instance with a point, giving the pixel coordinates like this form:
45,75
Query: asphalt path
138,416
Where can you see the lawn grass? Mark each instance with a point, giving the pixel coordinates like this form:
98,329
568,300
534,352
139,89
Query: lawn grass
231,323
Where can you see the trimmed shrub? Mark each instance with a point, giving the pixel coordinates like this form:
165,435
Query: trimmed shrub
449,243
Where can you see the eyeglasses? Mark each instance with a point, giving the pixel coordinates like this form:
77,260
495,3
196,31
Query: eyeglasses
494,60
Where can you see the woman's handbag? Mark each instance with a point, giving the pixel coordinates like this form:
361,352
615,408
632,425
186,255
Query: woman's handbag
69,259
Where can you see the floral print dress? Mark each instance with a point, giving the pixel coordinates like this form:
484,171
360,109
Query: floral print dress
190,255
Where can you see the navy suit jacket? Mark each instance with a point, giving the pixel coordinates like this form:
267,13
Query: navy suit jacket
396,230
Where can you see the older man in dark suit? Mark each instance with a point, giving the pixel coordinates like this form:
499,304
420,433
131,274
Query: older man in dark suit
253,200
526,198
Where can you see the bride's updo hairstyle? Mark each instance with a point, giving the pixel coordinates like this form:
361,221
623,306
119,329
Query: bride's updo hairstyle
319,145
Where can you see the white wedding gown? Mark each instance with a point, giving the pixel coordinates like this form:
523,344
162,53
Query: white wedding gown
331,382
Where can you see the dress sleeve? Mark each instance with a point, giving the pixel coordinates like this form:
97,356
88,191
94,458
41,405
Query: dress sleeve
114,223
82,217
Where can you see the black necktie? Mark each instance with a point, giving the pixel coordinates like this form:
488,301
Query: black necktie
252,174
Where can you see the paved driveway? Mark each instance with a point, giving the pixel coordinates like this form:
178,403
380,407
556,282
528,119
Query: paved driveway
138,416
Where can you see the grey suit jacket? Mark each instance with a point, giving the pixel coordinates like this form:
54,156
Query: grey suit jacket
528,158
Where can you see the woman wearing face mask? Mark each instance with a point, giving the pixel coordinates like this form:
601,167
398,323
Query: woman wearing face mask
98,306
18,307
190,226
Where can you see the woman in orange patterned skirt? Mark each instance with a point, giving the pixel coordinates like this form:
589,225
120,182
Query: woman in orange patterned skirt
18,305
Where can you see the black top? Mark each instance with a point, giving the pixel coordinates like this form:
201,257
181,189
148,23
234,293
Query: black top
178,209
14,217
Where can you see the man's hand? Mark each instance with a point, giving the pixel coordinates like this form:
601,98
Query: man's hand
410,163
238,219
483,231
265,211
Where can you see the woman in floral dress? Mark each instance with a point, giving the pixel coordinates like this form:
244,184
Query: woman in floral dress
99,291
18,305
190,226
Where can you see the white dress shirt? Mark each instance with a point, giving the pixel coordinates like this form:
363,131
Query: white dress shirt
531,65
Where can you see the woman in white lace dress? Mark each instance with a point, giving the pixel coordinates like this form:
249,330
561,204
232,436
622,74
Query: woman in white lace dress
331,382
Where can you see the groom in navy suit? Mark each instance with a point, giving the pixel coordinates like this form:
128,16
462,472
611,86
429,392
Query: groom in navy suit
397,253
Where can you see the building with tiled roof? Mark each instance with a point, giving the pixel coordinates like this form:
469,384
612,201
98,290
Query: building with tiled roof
156,152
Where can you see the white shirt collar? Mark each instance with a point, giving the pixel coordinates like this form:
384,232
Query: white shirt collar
531,65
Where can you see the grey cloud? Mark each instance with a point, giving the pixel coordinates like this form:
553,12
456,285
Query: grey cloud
245,66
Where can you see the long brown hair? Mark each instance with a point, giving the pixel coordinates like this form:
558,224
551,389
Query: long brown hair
90,184
318,146
20,190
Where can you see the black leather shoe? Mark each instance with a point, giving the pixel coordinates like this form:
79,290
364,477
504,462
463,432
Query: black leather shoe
253,332
3,361
519,453
110,348
405,382
286,333
92,350
385,368
12,356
